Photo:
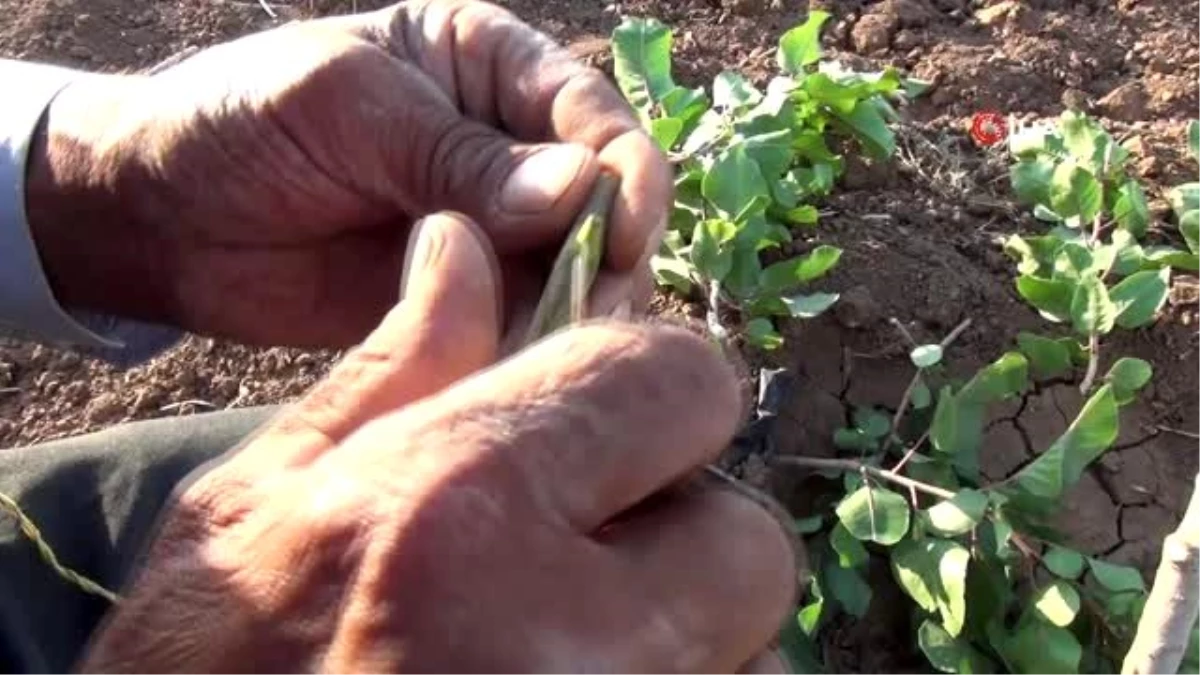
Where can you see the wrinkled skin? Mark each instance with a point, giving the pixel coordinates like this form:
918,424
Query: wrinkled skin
264,189
432,505
409,515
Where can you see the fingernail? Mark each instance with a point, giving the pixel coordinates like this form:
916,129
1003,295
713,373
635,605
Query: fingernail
538,182
423,245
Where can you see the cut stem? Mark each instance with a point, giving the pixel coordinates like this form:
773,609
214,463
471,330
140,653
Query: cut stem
1174,602
821,463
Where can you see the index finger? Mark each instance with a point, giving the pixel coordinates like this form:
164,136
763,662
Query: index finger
586,423
500,71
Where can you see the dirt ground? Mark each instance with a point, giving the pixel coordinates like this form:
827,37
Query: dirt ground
920,234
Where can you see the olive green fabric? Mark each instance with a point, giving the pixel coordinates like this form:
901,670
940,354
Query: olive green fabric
96,499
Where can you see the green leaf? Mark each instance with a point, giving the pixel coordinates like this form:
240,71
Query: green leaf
1093,431
875,514
1184,198
1127,376
1057,603
1031,180
732,91
1139,296
1073,261
802,215
771,150
686,105
674,272
1051,297
1084,138
950,654
665,131
854,440
848,588
958,515
1048,358
742,281
710,129
801,46
1001,379
1158,257
1129,255
921,396
943,432
850,551
1092,312
642,62
1130,210
810,614
934,573
1063,562
1189,227
872,422
926,356
1034,255
733,181
808,306
1193,133
1038,647
761,333
871,129
1116,578
790,273
710,253
1075,192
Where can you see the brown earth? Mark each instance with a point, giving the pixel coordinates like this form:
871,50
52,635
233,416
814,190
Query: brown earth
920,235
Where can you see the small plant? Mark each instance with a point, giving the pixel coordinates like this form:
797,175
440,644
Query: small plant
994,586
1089,271
751,165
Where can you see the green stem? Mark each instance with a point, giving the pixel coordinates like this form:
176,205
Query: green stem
821,463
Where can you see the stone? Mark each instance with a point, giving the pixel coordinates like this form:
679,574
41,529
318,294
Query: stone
996,13
1125,103
873,32
856,308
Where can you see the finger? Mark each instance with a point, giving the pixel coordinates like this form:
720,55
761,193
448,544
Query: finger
713,566
594,419
767,661
500,71
446,326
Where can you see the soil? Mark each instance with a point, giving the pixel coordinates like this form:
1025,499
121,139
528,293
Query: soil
920,234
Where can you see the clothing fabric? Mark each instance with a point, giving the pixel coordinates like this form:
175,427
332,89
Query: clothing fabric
96,499
28,308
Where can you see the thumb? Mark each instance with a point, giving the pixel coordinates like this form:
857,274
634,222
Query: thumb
524,195
446,326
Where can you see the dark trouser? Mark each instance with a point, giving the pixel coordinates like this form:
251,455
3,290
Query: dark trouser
96,499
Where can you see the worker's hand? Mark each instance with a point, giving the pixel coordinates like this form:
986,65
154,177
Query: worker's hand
397,520
263,189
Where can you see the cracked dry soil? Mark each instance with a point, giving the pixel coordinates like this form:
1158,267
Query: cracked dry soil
920,234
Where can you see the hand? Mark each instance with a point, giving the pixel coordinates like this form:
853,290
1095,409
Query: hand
536,515
263,189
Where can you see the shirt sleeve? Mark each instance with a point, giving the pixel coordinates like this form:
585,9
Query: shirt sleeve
28,308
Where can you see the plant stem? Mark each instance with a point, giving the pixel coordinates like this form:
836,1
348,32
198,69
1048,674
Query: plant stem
819,463
912,384
712,317
1174,602
1089,376
1178,432
953,335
